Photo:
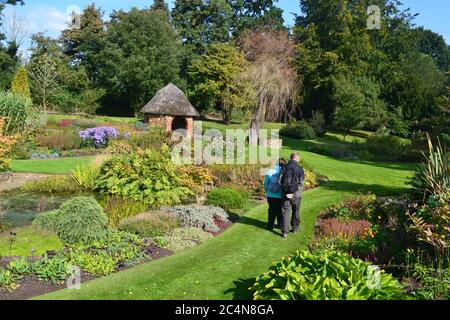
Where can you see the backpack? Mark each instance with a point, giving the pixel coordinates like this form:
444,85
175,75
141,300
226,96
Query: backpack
274,184
289,180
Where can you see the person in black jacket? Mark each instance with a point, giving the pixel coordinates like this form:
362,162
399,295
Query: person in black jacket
292,181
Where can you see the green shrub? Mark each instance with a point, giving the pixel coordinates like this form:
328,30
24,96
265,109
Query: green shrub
82,220
358,208
18,111
154,139
227,198
183,239
202,217
150,224
47,220
149,176
4,164
118,209
119,148
324,275
23,148
359,248
298,130
318,124
53,184
433,282
397,149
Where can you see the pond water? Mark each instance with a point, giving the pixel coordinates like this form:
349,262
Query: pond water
18,209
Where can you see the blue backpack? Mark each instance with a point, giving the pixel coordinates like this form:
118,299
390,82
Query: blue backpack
274,184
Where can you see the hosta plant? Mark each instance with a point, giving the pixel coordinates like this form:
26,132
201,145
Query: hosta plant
148,176
325,275
20,267
7,280
55,269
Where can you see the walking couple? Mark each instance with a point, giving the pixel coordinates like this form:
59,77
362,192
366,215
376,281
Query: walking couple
284,188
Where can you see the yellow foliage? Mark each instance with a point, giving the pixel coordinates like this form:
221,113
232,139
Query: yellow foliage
195,178
6,144
310,179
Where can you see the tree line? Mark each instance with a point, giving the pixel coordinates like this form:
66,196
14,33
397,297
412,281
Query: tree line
237,58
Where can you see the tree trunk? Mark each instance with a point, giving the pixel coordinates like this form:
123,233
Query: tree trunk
256,124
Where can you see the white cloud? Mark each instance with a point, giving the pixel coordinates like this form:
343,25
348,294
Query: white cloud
48,19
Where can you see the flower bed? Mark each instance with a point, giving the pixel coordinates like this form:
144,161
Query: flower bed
99,136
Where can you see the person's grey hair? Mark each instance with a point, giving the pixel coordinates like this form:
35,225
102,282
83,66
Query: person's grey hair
295,156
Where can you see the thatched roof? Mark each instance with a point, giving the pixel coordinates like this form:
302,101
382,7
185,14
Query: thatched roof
170,101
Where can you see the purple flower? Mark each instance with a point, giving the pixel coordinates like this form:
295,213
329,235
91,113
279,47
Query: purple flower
99,136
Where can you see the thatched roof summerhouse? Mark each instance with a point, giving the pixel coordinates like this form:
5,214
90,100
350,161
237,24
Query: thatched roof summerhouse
171,109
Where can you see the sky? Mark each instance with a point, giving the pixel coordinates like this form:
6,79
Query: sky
51,15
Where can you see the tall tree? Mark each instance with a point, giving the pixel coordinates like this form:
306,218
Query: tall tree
160,5
20,83
83,43
218,80
9,61
44,75
250,14
433,45
273,76
141,56
358,104
200,23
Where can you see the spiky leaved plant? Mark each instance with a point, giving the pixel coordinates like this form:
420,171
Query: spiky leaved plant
433,176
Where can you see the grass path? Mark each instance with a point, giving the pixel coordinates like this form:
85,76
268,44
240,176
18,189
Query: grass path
53,166
224,267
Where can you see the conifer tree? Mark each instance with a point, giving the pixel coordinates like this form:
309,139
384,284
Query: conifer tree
20,83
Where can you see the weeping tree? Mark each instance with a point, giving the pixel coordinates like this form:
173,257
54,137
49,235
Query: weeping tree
273,77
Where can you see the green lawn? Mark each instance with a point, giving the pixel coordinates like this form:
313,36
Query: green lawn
223,127
59,117
28,238
224,267
53,166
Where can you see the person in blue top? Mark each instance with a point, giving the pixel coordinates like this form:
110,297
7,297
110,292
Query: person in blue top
274,194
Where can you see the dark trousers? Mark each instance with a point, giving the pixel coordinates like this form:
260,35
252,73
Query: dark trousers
274,212
291,213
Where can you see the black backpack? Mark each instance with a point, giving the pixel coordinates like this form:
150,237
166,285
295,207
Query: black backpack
289,180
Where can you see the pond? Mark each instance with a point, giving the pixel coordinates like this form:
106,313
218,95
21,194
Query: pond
19,209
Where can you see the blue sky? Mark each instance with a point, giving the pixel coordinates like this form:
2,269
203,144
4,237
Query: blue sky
50,15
